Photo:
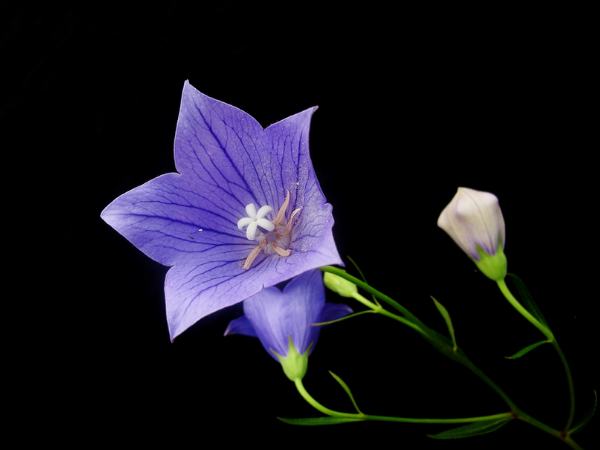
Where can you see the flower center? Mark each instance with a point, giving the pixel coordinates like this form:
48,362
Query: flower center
256,220
274,237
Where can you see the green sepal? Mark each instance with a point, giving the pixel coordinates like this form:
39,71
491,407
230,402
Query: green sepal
473,429
342,318
294,365
446,317
526,350
347,389
318,421
492,266
527,299
586,417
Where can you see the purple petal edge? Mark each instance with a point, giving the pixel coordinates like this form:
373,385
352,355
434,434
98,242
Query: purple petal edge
241,326
334,311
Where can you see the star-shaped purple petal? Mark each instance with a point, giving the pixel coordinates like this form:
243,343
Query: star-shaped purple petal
272,315
189,220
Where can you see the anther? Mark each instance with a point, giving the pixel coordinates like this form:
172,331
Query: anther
253,254
288,227
280,251
281,212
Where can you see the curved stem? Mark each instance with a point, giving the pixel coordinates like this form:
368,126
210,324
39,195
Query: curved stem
542,426
494,386
426,332
315,404
375,292
304,393
380,310
513,301
518,414
571,386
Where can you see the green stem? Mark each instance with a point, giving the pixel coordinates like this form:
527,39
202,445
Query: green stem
518,414
426,332
562,435
493,385
571,443
513,301
405,312
571,386
304,393
542,426
315,404
378,309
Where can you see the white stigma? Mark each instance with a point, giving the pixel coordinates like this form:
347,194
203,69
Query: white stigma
254,220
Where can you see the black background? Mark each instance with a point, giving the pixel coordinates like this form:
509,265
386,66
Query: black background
413,103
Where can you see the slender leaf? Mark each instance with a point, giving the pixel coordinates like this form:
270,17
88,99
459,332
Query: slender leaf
446,317
347,389
342,318
586,417
526,350
527,300
474,429
318,421
363,278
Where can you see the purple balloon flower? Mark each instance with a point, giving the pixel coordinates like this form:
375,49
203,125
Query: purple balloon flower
244,212
276,316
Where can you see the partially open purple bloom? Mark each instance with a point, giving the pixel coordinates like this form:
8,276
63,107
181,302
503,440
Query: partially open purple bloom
275,316
474,220
244,212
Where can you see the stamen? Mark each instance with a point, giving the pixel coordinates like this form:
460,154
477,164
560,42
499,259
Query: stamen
253,254
281,212
256,222
288,227
280,251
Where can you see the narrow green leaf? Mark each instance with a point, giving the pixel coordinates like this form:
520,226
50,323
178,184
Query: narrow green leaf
318,421
446,317
526,350
347,389
363,278
474,429
527,300
342,318
586,417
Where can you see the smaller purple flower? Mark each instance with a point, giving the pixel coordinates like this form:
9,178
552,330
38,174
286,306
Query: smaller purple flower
282,320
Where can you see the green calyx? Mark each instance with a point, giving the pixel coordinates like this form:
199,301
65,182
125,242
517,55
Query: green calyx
294,364
340,286
493,267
